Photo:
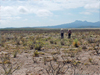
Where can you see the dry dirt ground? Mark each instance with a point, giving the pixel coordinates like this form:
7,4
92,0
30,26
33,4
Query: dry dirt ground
29,53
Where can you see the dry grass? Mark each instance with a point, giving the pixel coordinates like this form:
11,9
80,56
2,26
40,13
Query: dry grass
46,54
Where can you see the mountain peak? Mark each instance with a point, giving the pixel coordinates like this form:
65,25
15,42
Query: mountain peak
85,21
78,21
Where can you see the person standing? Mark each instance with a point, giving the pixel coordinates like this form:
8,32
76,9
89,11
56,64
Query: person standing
62,33
69,33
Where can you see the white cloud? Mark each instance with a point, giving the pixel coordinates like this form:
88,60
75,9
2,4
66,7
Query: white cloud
23,9
85,13
44,8
92,5
8,11
25,19
43,12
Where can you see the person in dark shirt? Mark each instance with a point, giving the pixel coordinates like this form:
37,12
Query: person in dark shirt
69,33
62,33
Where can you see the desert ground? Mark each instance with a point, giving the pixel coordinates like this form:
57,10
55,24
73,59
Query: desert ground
43,52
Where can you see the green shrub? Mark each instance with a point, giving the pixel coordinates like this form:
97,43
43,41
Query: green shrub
30,43
76,43
36,53
39,45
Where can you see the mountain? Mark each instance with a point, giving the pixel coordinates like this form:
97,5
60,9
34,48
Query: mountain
77,24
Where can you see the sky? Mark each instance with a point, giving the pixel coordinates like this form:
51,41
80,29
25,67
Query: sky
35,13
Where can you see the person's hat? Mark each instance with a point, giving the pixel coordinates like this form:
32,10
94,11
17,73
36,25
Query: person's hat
61,28
69,29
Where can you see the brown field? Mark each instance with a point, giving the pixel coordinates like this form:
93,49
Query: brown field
43,52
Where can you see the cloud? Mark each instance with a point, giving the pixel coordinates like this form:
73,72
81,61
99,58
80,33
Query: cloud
8,11
25,19
85,13
23,9
43,12
44,8
92,6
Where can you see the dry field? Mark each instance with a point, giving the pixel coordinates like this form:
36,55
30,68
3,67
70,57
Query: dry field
45,53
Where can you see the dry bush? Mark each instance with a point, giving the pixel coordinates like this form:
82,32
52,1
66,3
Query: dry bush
7,65
91,40
53,68
76,43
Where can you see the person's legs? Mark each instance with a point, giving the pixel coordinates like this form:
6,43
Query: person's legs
62,35
69,35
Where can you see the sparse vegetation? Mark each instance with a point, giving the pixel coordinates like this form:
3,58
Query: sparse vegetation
76,43
7,65
36,53
43,52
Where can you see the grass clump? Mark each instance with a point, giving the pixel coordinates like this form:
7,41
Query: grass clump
30,44
36,53
76,43
39,45
15,53
53,42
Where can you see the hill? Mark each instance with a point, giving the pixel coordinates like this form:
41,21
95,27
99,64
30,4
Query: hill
77,24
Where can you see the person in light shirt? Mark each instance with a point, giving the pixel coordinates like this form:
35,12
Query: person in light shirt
62,33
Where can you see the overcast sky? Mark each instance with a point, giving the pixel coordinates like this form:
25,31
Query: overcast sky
32,13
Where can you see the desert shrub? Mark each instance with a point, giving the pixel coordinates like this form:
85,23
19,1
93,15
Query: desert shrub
55,58
24,43
55,52
84,47
30,44
96,49
2,44
38,38
91,35
7,65
91,40
39,45
90,60
42,53
36,53
98,40
71,53
53,42
15,53
62,42
57,67
83,37
31,38
76,43
18,42
75,63
9,37
47,39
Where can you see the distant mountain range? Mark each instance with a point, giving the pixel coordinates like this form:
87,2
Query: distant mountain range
77,24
